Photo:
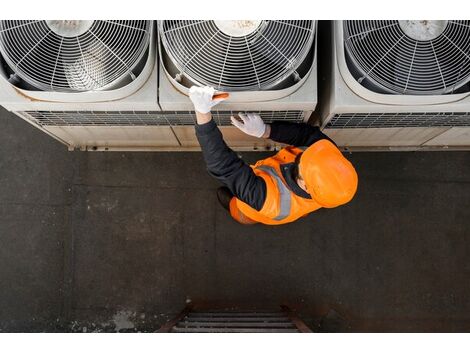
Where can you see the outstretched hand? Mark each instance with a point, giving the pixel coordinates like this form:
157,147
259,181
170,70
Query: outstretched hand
252,124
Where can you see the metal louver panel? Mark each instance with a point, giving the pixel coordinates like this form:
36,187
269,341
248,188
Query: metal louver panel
385,120
237,55
70,56
145,118
409,57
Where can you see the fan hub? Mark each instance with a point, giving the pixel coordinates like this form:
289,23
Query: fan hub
69,28
241,28
423,30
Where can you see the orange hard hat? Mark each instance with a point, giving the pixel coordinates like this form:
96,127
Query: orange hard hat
330,178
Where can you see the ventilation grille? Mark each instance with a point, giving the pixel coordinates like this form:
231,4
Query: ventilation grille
145,118
371,120
409,57
237,55
70,56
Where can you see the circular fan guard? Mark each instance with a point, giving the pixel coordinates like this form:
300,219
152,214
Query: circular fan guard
74,55
389,55
238,55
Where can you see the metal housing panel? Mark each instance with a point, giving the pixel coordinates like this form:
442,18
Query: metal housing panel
123,137
383,137
380,117
456,136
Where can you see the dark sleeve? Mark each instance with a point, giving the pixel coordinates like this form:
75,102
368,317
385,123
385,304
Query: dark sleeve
296,134
225,165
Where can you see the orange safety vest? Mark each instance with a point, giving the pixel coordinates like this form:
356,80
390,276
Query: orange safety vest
281,205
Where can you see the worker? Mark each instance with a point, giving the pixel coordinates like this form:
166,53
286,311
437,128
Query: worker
309,174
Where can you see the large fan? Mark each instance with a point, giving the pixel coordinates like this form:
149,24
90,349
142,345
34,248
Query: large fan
238,55
409,57
69,55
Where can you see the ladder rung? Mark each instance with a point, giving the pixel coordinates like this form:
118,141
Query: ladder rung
260,330
236,314
247,319
236,324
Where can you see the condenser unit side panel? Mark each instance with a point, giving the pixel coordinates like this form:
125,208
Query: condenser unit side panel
383,137
123,137
455,136
325,76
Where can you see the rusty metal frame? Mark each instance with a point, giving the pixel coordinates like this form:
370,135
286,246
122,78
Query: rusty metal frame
296,320
171,323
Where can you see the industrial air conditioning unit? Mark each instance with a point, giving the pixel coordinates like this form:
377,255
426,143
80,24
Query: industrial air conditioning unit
90,84
402,84
268,67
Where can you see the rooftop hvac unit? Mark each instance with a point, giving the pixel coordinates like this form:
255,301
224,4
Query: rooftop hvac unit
74,61
90,84
268,67
398,84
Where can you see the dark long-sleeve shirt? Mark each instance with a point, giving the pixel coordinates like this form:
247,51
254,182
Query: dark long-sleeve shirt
225,165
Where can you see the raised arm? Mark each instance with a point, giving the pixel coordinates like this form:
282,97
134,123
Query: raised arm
222,162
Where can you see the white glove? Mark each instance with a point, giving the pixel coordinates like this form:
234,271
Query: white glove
202,98
252,124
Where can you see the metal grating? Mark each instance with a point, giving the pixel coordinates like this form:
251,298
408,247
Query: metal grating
410,57
245,322
145,118
387,120
229,320
238,55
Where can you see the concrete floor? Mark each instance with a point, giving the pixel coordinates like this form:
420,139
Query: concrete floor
120,241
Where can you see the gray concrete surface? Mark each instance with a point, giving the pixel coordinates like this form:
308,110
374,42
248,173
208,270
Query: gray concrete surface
120,241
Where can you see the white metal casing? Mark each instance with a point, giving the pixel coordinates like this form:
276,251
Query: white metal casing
137,93
344,95
301,97
138,96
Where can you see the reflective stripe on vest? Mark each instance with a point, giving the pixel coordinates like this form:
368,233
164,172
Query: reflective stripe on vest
283,190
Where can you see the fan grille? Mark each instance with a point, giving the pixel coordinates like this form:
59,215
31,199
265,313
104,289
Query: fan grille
99,55
146,118
400,119
257,59
389,58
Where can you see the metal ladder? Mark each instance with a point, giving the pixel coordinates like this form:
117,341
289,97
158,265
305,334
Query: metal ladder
189,320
